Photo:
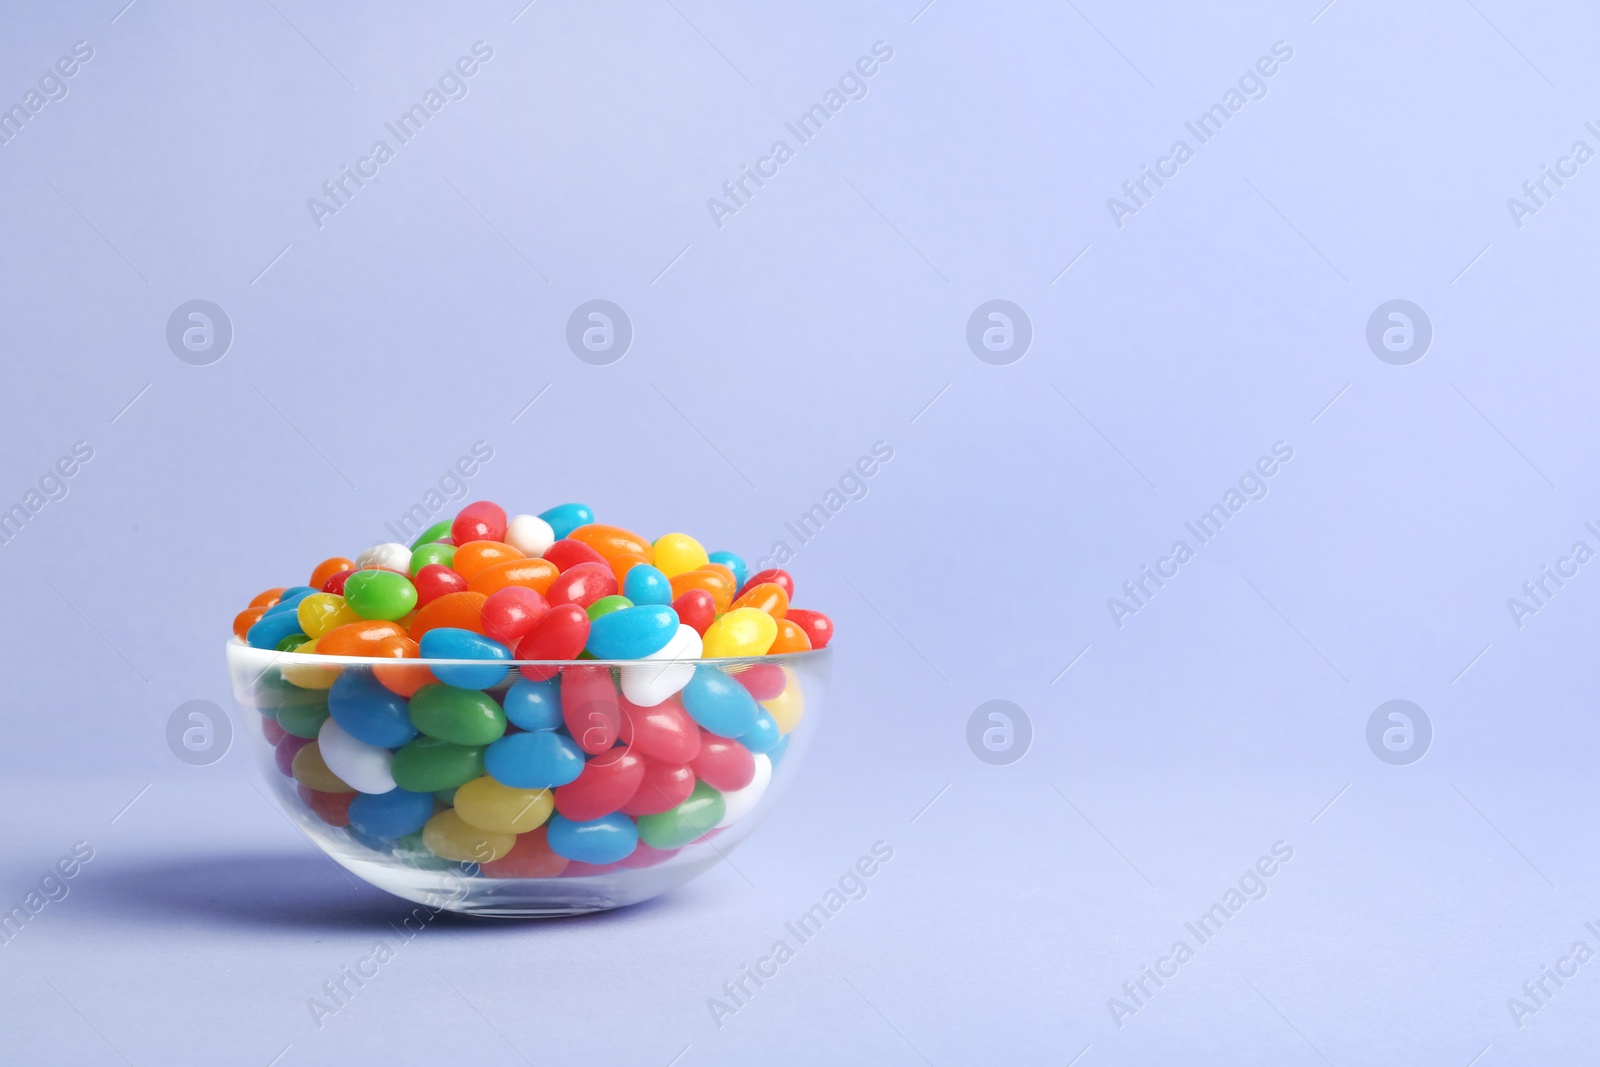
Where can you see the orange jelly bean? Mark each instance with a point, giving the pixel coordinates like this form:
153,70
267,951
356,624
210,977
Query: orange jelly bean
768,597
535,574
791,638
724,570
403,679
268,598
328,568
362,638
622,563
715,582
612,541
461,611
475,556
246,619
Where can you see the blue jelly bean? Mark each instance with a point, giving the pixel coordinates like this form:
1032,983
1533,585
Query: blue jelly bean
776,752
270,629
387,816
763,736
289,601
369,711
646,585
735,563
564,518
447,642
632,633
539,759
534,705
603,840
718,703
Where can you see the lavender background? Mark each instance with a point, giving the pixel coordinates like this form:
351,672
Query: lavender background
769,353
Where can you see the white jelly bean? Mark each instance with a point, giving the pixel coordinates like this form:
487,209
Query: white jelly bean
390,556
530,535
739,802
648,684
364,767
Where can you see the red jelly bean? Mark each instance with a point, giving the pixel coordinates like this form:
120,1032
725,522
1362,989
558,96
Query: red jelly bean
696,608
560,633
434,581
763,680
608,781
664,732
284,752
589,708
723,763
567,553
583,585
818,627
530,857
511,612
274,733
335,582
580,869
776,575
645,856
665,786
331,808
479,521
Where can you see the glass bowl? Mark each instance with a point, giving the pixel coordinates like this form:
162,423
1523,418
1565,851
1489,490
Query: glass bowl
513,851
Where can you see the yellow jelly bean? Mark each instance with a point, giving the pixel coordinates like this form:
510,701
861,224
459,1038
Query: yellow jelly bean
488,805
311,771
740,632
306,676
788,706
451,837
321,612
678,553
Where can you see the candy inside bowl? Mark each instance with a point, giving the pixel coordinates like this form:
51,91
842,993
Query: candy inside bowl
523,787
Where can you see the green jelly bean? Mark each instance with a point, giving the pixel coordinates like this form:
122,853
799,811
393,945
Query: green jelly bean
427,764
447,797
606,605
432,553
303,720
695,816
378,594
432,533
273,691
464,716
290,643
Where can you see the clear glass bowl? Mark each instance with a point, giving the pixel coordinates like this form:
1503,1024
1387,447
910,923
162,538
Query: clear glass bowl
282,701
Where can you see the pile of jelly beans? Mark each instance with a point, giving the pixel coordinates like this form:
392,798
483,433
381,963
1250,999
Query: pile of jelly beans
558,768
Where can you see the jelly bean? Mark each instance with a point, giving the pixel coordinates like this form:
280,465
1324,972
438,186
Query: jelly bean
284,752
479,521
678,553
539,759
726,572
740,632
718,703
605,606
363,638
738,803
776,575
457,611
662,673
321,612
292,642
328,568
390,815
567,553
331,808
289,601
413,851
775,753
723,764
266,598
534,705
464,716
623,563
664,732
246,619
632,632
436,532
307,675
818,627
312,771
451,837
429,554
272,731
403,679
696,608
374,594
365,767
691,819
369,711
603,840
788,706
535,574
511,612
768,597
434,581
734,563
714,582
763,680
303,720
335,582
564,518
590,708
389,556
665,786
489,805
608,781
446,642
560,634
476,556
582,585
611,541
427,764
530,535
764,735
791,638
530,857
647,585
645,856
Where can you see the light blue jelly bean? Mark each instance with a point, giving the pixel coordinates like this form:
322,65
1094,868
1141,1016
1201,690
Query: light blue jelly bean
368,711
447,642
387,816
289,601
776,752
534,705
632,633
604,840
564,518
540,759
735,563
646,585
763,736
270,629
718,703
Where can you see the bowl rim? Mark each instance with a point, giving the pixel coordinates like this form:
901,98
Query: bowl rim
235,647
